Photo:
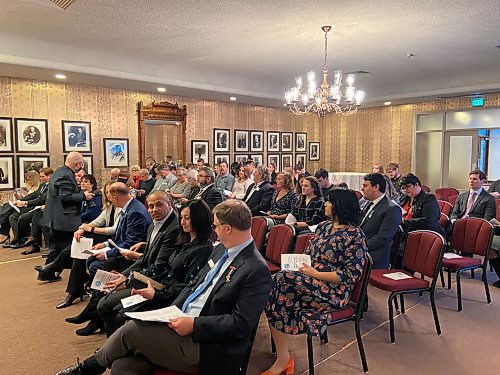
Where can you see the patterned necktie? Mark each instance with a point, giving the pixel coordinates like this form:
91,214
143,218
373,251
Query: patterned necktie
203,286
470,203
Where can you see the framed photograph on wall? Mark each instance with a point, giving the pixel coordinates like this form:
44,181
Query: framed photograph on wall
300,142
116,152
258,159
256,141
6,135
301,159
6,172
76,136
313,151
276,160
89,163
219,158
30,163
221,140
199,150
241,158
286,141
273,141
286,161
31,135
241,141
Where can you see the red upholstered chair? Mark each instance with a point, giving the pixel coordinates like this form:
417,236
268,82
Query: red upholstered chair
259,230
353,312
452,199
447,192
471,236
437,196
302,242
423,254
497,201
279,242
443,220
425,188
445,207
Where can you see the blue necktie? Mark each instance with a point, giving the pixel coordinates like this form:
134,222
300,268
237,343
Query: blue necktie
203,286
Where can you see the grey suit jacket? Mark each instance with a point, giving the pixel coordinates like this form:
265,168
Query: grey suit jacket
484,206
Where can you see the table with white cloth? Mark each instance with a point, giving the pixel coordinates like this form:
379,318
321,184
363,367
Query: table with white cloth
354,180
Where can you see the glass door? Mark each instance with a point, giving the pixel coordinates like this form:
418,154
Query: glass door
460,157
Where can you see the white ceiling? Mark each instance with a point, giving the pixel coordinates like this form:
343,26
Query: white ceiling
252,49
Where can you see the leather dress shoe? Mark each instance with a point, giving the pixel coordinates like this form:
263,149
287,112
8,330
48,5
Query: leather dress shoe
9,244
47,276
496,284
68,301
91,328
72,370
17,245
30,241
37,268
33,250
83,317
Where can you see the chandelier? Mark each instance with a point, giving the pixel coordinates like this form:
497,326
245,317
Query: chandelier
327,98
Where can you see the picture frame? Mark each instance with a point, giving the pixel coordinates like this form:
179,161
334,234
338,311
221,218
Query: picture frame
26,163
76,136
300,142
221,140
256,141
199,150
273,142
241,140
7,175
286,141
6,138
258,159
286,161
219,158
314,150
241,158
276,159
32,135
89,163
116,152
301,159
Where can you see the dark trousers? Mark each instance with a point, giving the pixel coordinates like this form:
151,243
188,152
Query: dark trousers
5,212
37,229
20,223
109,307
58,241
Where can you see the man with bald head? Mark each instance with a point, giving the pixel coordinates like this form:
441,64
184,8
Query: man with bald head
63,206
114,173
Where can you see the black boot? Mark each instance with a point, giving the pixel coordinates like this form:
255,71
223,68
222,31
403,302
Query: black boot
495,263
94,325
89,367
68,301
88,313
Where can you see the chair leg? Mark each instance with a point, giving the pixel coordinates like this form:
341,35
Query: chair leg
310,354
471,274
391,317
396,304
324,337
449,279
359,339
273,346
441,274
459,291
486,286
435,314
402,300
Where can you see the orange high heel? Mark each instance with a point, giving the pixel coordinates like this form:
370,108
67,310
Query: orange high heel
289,368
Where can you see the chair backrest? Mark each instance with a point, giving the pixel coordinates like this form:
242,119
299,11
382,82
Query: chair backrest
497,202
358,294
445,207
358,194
437,196
395,245
472,236
446,192
443,220
425,188
259,230
452,199
302,241
278,242
424,252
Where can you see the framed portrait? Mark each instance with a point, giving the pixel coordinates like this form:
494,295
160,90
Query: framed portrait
256,141
219,158
313,151
31,135
199,150
300,142
241,158
276,160
6,172
241,141
88,163
76,136
273,141
258,159
301,159
286,141
221,140
286,161
116,152
30,163
6,135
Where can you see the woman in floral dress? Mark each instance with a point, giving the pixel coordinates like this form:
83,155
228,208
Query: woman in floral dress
337,257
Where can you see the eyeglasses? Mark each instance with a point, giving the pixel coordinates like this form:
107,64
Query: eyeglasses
214,226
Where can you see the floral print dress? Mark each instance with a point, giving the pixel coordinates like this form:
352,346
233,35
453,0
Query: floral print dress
297,300
282,206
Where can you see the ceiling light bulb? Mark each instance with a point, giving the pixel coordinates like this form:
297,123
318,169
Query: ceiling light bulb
232,98
162,89
60,76
387,103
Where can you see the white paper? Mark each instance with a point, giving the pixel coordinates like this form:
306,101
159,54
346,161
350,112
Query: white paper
120,249
35,209
101,278
312,228
161,315
495,222
227,192
292,262
451,256
397,276
14,206
290,219
264,213
132,300
80,250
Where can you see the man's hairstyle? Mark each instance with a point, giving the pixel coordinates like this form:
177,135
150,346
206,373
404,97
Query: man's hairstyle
234,213
298,167
481,174
209,172
163,167
323,173
223,162
376,179
264,173
164,196
124,172
150,158
392,166
182,170
250,162
168,157
118,188
410,178
345,206
46,170
201,160
379,167
143,172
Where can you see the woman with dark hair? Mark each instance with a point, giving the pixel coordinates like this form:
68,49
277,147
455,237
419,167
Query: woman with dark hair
235,169
337,257
271,168
310,207
283,199
92,205
195,247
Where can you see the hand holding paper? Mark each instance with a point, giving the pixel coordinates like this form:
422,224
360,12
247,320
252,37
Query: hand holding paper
161,315
101,278
293,262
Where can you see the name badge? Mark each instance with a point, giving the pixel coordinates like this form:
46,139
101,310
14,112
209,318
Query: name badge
211,263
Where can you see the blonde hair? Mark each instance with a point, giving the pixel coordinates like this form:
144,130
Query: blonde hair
32,179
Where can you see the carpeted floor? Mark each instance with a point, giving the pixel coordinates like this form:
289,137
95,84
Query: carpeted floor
36,340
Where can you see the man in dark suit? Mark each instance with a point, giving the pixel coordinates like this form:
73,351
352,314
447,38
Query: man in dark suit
380,219
494,189
222,308
259,195
208,192
476,202
63,205
146,184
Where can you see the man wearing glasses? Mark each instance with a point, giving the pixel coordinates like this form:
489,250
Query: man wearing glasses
208,192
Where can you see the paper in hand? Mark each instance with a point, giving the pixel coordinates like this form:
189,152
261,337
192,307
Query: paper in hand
292,262
81,250
290,219
14,206
120,249
161,315
101,278
132,300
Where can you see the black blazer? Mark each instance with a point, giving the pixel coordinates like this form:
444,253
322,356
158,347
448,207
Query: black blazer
154,261
494,187
261,199
379,227
231,311
64,201
212,196
484,206
425,213
36,198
